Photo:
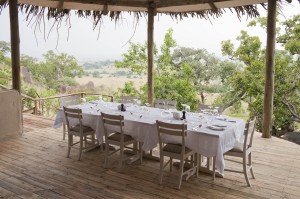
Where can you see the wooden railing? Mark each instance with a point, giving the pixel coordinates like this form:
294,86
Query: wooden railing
39,104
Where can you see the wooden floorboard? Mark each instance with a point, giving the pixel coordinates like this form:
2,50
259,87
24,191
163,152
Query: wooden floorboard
35,166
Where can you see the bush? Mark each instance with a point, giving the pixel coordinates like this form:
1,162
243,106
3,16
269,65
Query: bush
96,74
69,81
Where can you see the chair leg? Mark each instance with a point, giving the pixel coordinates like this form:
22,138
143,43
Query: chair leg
121,158
214,167
70,143
101,146
85,141
171,164
106,154
250,164
141,152
197,164
208,162
181,171
81,148
93,140
135,147
64,131
161,169
245,171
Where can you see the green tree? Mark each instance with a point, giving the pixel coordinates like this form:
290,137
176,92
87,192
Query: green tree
206,67
5,69
289,38
55,70
163,61
4,47
135,59
248,84
169,82
64,65
96,74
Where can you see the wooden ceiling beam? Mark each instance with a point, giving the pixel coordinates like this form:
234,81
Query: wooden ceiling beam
213,6
60,4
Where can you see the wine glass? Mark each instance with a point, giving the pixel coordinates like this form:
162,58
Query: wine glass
147,104
83,100
187,108
165,114
215,111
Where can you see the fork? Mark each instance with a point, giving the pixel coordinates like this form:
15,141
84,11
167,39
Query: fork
196,127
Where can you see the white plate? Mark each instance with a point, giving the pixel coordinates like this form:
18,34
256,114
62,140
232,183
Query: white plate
215,128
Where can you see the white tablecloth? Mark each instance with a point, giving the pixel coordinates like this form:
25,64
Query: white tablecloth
140,124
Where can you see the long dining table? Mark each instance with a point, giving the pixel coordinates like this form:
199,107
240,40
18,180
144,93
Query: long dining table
209,135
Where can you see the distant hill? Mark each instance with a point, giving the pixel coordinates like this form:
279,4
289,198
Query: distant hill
97,65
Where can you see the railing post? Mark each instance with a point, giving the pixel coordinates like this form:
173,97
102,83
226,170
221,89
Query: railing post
42,103
35,111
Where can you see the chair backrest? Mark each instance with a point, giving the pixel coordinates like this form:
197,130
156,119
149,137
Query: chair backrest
202,107
165,104
167,129
171,104
248,134
129,99
75,114
69,100
159,103
113,121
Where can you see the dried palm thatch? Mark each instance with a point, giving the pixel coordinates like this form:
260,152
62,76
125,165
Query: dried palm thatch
97,9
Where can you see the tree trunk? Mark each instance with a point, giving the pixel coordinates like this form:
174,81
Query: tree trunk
150,53
270,70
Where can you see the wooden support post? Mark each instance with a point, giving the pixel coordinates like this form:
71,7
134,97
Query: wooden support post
270,70
15,44
150,53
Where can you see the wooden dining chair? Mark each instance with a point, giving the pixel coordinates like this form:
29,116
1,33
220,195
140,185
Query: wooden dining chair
128,99
202,107
68,101
78,130
170,104
159,103
175,151
244,151
114,135
165,104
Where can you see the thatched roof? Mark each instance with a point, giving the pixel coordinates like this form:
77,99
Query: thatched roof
178,9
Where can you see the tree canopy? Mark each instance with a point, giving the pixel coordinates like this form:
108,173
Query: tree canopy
248,84
54,71
181,73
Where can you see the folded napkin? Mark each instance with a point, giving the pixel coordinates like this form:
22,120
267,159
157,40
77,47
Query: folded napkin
221,118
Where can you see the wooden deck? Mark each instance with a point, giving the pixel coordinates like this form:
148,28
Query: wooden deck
35,166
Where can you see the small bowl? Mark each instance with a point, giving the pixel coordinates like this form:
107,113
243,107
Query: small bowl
176,115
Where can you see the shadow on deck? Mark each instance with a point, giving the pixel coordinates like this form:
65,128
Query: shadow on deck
35,166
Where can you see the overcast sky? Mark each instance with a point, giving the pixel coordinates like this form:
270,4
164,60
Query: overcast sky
84,44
